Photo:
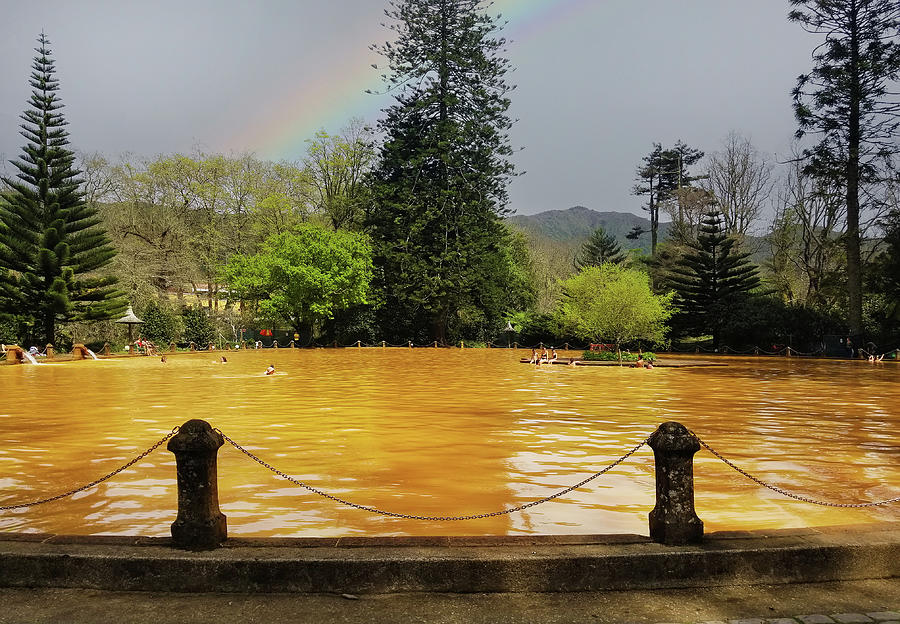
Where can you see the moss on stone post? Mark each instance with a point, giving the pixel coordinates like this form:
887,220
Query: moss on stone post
673,521
200,524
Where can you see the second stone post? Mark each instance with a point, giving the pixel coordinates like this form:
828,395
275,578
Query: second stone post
673,521
199,523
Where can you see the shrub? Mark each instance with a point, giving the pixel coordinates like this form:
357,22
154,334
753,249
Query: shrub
612,356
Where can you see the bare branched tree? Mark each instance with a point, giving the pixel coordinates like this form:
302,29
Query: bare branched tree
740,178
806,239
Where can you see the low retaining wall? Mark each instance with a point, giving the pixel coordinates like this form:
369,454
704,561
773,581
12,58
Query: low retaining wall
451,564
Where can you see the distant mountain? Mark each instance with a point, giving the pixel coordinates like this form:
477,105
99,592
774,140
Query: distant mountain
574,226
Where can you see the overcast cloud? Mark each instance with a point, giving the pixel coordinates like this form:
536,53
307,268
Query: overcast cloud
598,81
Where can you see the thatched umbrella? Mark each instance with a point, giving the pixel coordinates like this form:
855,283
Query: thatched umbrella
131,320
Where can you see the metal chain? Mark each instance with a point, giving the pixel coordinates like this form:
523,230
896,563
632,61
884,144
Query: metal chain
492,514
93,483
783,492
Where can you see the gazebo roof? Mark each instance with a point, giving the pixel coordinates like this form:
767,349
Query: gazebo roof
129,317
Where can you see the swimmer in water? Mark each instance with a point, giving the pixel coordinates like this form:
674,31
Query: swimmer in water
163,359
224,360
270,370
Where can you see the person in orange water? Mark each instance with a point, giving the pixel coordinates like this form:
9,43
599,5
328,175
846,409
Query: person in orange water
270,370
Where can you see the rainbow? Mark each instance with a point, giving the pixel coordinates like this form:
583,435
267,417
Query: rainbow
338,92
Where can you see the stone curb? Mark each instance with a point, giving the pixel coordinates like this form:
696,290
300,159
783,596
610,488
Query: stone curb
451,564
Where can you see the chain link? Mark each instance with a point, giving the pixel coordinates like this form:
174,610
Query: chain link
93,483
783,492
394,514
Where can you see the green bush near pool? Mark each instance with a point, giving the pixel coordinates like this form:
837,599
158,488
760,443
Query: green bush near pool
610,356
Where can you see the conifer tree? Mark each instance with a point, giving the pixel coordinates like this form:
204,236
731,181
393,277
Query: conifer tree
713,279
439,188
662,173
850,101
600,247
51,245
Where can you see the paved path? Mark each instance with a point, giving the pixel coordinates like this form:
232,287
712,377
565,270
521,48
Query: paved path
820,603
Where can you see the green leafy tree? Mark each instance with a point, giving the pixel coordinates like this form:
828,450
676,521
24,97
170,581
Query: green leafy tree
713,279
600,247
613,303
439,186
197,326
336,166
160,325
302,277
51,243
849,100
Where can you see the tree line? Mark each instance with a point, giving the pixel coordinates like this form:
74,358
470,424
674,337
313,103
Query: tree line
397,232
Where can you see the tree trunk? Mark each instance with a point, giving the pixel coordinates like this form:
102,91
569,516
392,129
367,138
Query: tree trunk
654,221
439,327
854,264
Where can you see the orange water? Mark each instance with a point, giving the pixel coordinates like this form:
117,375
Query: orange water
444,432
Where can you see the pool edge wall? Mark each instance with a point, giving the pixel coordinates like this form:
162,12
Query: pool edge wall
451,564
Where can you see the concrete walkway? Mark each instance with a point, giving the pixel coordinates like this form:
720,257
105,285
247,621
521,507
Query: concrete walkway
855,601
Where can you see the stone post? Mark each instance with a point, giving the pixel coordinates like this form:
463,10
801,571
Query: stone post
673,520
49,351
200,524
79,351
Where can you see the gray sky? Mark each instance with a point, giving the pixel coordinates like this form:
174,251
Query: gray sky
598,80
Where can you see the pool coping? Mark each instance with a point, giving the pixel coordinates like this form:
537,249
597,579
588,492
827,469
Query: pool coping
455,564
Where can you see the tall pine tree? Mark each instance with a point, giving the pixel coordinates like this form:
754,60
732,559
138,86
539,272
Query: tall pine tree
440,184
850,101
600,247
51,245
662,173
713,279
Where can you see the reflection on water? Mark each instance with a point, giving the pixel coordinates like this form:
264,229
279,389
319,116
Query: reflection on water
443,432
